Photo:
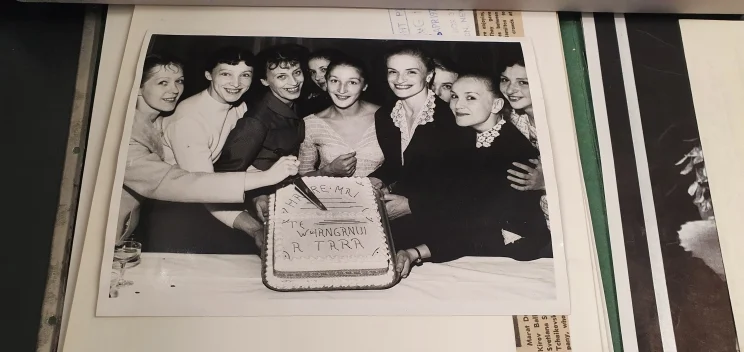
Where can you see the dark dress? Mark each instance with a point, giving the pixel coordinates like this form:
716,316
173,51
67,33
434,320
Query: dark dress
432,149
268,131
314,104
477,202
265,128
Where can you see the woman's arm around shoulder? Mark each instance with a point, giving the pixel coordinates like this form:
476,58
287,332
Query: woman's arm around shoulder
151,177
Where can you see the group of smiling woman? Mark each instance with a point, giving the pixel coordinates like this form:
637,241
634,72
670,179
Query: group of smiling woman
455,156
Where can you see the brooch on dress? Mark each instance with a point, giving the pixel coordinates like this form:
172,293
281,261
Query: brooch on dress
484,139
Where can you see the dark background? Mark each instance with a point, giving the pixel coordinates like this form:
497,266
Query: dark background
194,50
39,49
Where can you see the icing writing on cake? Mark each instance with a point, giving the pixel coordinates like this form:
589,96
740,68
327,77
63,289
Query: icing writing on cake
352,196
327,237
347,240
329,189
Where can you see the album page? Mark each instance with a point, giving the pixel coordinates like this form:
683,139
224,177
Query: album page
664,103
175,279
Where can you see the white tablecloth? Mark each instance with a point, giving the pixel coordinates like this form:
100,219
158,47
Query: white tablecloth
203,284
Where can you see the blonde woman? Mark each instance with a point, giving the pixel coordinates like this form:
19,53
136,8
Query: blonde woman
148,176
478,213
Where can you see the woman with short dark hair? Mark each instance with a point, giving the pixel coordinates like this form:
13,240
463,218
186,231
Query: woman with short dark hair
515,86
271,128
193,138
318,64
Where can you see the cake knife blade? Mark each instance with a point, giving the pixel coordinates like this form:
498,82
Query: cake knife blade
302,187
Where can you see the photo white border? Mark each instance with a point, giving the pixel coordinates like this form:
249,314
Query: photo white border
86,332
561,305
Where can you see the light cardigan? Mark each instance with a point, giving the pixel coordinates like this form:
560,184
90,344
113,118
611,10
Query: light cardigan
193,138
147,176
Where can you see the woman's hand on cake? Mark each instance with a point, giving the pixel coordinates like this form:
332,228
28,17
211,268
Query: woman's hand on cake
261,204
343,166
396,206
258,237
284,167
403,263
530,179
379,186
246,223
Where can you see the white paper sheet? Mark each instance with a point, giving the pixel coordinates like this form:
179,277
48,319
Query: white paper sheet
87,333
714,51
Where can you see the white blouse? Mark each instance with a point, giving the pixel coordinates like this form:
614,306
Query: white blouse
424,116
194,135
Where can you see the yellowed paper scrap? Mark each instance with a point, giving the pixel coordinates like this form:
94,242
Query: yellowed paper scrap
498,24
432,22
542,333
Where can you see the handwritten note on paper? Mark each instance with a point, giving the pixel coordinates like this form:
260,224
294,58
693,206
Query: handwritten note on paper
542,333
499,23
432,22
456,22
534,333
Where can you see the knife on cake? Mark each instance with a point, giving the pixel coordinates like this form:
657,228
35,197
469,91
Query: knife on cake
306,192
300,185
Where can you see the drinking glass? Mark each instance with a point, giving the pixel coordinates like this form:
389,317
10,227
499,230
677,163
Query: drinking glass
126,252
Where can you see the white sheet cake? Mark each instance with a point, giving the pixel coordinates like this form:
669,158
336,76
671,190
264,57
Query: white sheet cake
344,247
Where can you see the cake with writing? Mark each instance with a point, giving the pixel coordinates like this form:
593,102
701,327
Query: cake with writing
344,247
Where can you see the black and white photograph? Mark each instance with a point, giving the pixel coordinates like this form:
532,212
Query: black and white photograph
672,285
284,175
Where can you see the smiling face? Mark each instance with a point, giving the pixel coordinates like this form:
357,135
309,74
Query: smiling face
442,84
318,67
285,81
474,105
345,86
407,75
229,82
162,90
515,87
